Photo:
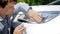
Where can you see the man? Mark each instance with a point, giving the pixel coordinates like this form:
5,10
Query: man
25,8
8,8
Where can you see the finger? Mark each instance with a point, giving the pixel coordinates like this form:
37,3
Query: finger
21,30
32,18
19,27
37,18
40,18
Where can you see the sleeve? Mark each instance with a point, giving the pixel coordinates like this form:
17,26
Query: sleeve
21,7
1,26
1,18
15,24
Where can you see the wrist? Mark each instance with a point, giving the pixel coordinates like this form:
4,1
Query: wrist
28,11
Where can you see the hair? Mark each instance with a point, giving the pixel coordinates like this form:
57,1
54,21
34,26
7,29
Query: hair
3,3
14,0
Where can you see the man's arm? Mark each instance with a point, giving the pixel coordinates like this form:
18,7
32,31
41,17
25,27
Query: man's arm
25,8
32,15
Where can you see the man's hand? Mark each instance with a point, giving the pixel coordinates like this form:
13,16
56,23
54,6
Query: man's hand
34,16
19,29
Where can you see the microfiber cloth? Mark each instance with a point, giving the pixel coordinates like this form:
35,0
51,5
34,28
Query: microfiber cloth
51,27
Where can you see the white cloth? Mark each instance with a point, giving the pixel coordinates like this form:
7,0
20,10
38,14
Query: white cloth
51,27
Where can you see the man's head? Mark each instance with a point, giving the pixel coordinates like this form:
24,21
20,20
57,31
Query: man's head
3,3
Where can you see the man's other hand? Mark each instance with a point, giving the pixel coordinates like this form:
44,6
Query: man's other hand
19,29
34,16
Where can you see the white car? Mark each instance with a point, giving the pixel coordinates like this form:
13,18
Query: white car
51,26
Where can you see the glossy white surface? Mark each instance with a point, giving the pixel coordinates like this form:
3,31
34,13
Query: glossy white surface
46,8
51,27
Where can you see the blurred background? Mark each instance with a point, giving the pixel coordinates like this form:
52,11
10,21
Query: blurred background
39,2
